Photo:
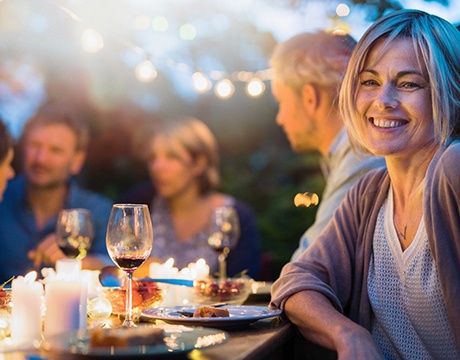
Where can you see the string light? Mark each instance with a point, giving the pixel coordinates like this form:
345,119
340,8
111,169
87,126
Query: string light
92,41
224,89
201,82
342,10
160,23
255,87
145,71
187,32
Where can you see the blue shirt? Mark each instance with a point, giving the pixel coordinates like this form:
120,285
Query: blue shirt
342,169
19,233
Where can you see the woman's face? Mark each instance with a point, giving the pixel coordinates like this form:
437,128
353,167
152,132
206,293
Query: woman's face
171,168
394,101
6,171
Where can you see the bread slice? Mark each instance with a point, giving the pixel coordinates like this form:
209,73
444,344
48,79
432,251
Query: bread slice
210,311
124,337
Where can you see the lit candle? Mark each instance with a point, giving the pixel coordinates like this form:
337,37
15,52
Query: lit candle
166,271
26,315
199,270
68,266
163,271
66,302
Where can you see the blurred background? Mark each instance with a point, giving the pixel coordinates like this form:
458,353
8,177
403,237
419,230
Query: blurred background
126,64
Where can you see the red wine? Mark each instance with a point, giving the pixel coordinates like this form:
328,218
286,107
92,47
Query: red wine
128,263
71,252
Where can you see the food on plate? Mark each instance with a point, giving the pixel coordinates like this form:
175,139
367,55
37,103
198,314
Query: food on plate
145,294
221,291
5,297
211,311
127,336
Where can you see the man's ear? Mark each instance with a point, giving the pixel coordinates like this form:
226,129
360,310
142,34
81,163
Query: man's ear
310,97
77,162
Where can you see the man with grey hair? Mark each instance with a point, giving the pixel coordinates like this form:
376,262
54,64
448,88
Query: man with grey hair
307,74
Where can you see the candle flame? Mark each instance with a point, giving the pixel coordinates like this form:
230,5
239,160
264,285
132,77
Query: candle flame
201,263
169,263
30,277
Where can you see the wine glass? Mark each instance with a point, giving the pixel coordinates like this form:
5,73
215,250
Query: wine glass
129,243
225,234
74,232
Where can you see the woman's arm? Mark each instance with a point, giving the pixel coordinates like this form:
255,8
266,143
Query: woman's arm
319,322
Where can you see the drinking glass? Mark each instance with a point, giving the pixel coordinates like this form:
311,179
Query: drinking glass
225,234
74,232
129,243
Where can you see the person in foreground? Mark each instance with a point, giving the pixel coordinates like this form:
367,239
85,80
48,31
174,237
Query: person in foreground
53,148
383,281
307,73
6,158
183,164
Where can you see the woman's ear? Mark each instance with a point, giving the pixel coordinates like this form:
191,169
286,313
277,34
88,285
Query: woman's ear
200,165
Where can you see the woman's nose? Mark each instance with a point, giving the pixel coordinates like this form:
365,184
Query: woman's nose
387,97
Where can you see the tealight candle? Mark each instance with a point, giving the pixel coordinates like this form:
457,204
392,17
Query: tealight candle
163,271
199,270
26,315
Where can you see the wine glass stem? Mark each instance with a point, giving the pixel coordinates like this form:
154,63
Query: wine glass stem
223,264
129,301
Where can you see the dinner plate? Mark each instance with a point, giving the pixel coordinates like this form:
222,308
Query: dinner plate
179,339
240,315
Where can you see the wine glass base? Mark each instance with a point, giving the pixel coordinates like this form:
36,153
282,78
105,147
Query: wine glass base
128,323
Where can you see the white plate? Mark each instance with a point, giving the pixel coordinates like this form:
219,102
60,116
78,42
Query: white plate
178,340
240,315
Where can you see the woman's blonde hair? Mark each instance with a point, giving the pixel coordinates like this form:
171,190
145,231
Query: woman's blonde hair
198,140
437,45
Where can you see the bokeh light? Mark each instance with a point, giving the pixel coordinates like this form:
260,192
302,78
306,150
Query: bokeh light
224,89
92,41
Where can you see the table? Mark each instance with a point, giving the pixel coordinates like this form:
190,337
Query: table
270,339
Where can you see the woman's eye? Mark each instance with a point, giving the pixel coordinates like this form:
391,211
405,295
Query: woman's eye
410,85
368,83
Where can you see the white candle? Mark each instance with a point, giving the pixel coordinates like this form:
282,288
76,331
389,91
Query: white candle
163,271
184,293
68,266
166,271
66,301
26,315
199,270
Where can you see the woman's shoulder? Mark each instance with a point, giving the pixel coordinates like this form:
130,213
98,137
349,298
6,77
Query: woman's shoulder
449,160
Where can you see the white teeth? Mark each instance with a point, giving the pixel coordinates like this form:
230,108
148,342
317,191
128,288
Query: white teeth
387,123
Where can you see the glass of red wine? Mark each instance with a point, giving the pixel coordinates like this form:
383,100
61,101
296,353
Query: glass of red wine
225,235
74,232
129,242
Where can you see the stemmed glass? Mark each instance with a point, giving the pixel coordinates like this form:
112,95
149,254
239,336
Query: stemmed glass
225,234
74,232
129,243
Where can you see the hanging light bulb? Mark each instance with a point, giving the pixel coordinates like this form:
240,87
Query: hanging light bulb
92,41
201,83
342,10
224,89
145,71
255,87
